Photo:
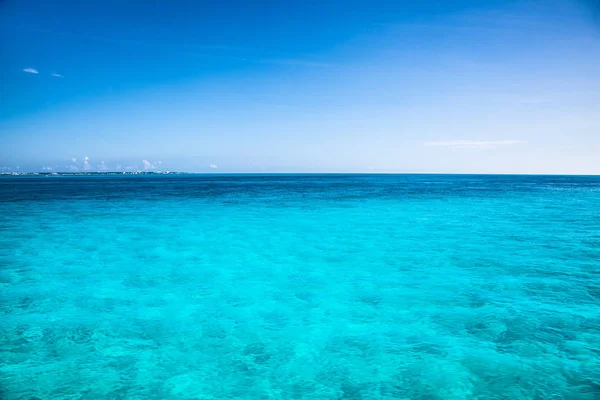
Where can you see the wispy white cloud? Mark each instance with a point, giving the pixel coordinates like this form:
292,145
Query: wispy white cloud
213,166
86,163
148,165
57,75
46,168
31,70
102,166
476,144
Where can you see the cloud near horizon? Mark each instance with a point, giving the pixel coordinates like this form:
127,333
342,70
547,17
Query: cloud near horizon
86,163
148,165
476,144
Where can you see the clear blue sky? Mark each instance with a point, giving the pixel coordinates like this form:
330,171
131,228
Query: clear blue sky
301,86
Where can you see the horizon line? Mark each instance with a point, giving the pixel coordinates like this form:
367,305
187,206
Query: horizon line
88,173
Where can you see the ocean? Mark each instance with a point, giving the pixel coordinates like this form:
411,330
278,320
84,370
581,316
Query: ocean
300,287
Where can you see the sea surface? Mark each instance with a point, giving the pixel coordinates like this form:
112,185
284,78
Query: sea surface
300,287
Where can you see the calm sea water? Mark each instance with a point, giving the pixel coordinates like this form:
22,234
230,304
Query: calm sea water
300,287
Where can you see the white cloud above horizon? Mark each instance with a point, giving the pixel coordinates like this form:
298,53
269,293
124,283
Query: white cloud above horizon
31,70
148,165
474,144
213,166
86,163
57,75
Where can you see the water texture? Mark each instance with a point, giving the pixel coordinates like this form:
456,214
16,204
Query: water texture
300,287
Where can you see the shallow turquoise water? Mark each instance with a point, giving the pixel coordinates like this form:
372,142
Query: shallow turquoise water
300,287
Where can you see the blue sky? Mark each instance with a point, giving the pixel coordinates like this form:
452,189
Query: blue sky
311,86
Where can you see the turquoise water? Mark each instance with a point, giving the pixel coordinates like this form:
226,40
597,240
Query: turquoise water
300,287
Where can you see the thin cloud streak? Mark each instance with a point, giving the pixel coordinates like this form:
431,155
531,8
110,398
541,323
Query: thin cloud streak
31,70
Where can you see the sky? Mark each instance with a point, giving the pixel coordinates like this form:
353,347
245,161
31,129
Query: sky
465,86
